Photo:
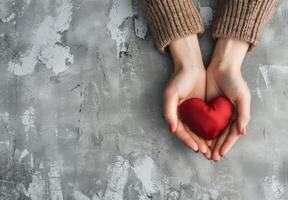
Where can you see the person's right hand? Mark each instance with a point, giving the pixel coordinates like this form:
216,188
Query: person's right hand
188,80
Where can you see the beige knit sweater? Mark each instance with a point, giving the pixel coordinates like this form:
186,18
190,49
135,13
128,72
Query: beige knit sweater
173,19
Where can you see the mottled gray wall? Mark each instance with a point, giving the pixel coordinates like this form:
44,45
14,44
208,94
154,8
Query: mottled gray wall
81,112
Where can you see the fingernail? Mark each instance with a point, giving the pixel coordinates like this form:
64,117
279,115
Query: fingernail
204,150
195,148
208,155
222,153
171,128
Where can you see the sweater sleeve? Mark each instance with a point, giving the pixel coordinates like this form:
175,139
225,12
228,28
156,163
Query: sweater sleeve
171,19
243,19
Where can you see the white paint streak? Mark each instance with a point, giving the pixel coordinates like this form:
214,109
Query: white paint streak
20,187
273,189
26,4
9,18
264,70
120,11
117,178
7,142
31,160
47,47
259,93
274,77
145,169
28,119
24,153
283,69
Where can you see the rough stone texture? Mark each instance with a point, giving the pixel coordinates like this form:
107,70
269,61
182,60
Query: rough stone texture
81,111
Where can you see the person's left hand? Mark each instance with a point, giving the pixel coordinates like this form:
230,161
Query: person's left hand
224,78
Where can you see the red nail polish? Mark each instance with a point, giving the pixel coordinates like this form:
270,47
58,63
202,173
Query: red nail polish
171,128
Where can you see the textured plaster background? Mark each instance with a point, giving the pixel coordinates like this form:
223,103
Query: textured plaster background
81,109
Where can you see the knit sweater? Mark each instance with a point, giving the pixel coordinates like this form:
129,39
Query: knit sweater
241,19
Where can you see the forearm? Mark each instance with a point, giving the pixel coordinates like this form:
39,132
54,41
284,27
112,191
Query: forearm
229,54
186,52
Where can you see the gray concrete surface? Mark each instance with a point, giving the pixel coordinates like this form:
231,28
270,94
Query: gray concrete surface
81,112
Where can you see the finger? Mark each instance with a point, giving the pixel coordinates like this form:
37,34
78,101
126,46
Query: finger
200,143
209,142
214,141
218,144
243,105
170,108
185,137
207,154
232,138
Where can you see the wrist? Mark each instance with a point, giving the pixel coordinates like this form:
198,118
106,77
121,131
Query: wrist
186,53
229,54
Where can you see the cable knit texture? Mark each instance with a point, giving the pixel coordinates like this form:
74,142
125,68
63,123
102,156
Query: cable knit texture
240,19
171,19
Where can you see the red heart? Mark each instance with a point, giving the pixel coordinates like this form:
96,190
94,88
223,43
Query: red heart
207,120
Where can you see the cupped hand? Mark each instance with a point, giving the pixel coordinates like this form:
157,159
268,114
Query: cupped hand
224,78
188,80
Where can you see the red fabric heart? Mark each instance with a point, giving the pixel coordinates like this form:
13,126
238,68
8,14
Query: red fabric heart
207,120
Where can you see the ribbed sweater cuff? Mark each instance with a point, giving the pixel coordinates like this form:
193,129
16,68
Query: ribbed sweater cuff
243,19
171,19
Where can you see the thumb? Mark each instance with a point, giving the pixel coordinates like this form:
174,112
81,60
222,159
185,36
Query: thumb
243,105
170,108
